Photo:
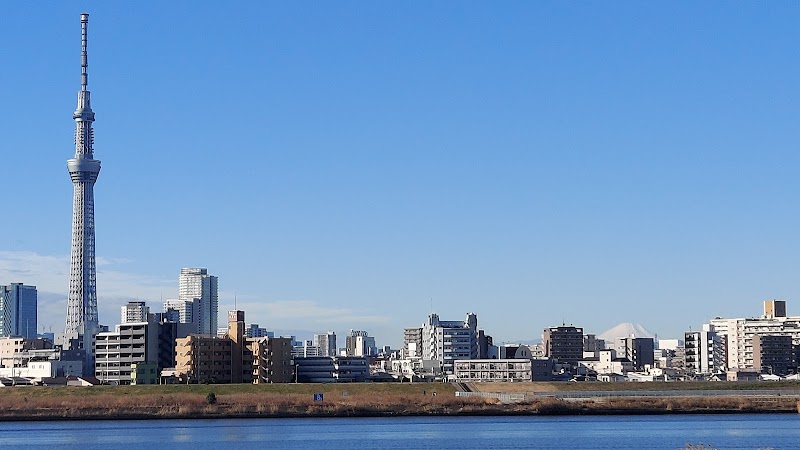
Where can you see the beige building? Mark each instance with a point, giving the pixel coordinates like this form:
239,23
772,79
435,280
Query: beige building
272,360
14,349
234,358
203,359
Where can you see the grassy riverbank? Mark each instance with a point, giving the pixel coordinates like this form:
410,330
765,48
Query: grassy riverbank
370,399
640,386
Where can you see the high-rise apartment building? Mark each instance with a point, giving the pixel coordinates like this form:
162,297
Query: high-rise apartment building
82,321
272,359
639,351
738,334
412,342
184,312
255,331
130,343
326,343
449,340
18,310
703,351
304,349
564,343
134,312
196,283
773,354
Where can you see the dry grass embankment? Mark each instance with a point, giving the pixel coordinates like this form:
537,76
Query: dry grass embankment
671,405
543,386
365,399
284,400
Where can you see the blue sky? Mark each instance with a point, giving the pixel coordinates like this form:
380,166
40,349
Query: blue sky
358,165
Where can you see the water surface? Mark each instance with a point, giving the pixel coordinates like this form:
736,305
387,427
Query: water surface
743,431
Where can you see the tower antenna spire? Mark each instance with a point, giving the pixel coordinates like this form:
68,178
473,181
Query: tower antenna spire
84,55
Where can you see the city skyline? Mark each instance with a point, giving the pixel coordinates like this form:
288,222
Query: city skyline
360,167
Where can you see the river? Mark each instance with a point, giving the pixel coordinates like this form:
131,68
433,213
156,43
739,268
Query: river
739,431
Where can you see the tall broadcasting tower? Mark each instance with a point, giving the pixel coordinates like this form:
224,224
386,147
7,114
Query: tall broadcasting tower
83,169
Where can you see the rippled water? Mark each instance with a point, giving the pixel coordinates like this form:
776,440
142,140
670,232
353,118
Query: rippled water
745,431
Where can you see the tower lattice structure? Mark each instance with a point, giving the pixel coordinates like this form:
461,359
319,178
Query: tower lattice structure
82,317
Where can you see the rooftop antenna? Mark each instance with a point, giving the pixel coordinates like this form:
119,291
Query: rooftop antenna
234,302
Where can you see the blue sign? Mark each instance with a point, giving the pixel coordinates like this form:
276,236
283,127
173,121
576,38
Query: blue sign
317,397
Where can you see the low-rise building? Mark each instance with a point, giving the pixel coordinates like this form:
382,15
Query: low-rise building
14,350
542,368
512,351
475,370
607,363
742,375
331,369
415,369
144,373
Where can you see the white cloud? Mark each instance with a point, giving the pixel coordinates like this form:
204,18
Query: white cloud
303,313
47,273
50,274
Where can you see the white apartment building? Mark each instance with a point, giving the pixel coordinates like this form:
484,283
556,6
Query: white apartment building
475,370
415,367
134,312
326,343
255,331
40,370
704,352
449,340
17,351
607,363
183,312
737,334
305,349
196,283
36,360
115,351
